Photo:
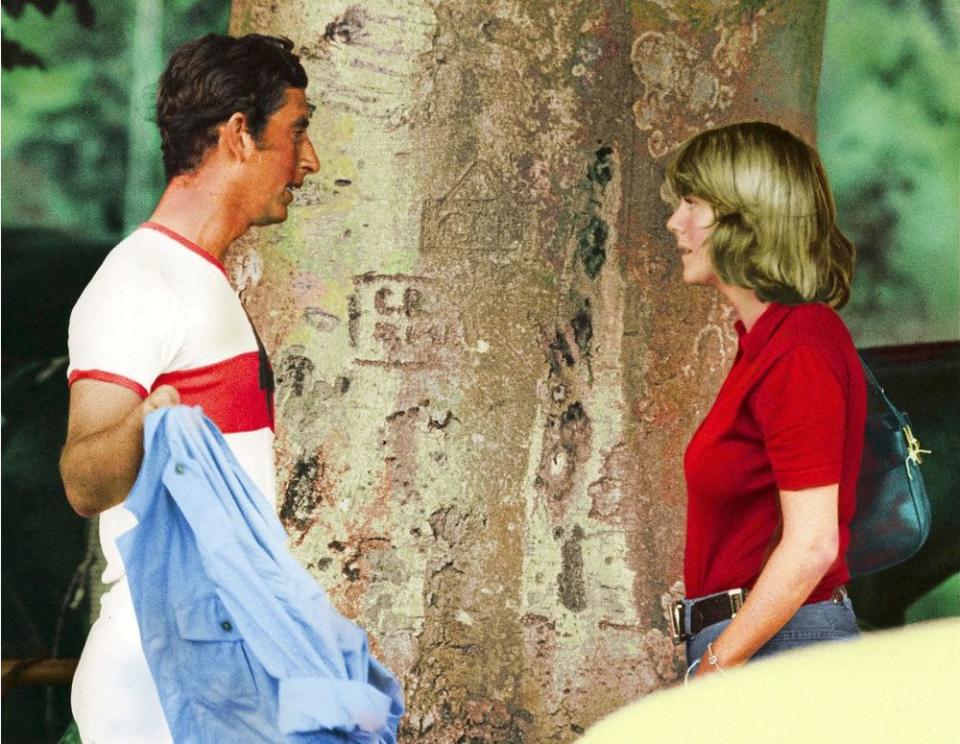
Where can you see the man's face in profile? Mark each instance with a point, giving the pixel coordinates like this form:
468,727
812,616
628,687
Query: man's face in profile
284,158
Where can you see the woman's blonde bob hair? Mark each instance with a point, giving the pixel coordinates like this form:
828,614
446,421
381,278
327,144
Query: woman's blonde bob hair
775,230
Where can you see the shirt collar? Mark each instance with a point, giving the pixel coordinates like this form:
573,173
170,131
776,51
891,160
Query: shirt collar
753,341
188,244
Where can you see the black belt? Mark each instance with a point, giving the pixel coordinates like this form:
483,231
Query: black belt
713,609
704,612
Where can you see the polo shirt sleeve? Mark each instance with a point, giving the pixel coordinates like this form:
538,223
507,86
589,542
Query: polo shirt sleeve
800,406
126,329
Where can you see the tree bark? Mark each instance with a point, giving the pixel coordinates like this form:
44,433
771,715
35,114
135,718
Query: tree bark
488,365
143,140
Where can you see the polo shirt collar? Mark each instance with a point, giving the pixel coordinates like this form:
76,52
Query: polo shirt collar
753,341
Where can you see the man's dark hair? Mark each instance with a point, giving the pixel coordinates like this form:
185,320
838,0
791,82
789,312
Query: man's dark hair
209,79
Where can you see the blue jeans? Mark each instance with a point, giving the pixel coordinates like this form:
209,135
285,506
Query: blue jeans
829,620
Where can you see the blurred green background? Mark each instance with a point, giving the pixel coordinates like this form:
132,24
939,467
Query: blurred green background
81,166
889,134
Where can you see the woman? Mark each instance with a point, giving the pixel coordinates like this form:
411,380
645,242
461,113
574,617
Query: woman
772,470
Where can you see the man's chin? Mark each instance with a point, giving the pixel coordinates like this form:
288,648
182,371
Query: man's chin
271,219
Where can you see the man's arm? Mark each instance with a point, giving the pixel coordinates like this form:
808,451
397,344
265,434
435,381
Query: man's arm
104,446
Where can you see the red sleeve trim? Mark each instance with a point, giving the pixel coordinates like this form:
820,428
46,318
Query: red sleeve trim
188,244
99,374
798,480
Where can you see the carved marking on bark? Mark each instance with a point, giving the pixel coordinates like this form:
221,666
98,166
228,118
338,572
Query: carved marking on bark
682,82
395,323
477,215
320,319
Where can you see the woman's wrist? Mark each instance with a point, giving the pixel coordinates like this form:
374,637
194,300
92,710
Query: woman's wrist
713,660
719,658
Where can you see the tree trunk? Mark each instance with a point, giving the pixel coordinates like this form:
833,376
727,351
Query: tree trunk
143,139
488,366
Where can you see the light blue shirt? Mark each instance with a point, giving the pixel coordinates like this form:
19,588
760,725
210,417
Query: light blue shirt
242,642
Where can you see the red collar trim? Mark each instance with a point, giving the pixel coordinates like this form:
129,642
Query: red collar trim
188,244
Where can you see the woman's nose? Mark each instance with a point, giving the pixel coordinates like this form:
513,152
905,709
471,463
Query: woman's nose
673,225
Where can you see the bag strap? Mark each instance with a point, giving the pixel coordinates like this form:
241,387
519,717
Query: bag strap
872,381
914,449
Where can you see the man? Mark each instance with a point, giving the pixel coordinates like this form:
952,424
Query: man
160,324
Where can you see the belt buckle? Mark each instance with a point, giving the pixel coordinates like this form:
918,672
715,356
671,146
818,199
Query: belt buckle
736,597
676,622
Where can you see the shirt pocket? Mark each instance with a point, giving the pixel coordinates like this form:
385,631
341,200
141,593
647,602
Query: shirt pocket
218,670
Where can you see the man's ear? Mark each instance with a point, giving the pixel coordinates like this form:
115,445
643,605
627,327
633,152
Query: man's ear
235,138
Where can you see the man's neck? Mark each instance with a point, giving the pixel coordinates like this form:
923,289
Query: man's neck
198,208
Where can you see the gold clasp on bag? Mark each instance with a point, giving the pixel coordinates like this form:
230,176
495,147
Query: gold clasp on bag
913,449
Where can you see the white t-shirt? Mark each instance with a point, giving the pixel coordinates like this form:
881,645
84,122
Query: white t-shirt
160,310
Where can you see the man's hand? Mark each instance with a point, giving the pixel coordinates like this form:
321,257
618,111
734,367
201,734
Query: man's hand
163,396
104,446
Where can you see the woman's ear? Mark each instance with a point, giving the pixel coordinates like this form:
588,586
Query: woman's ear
235,138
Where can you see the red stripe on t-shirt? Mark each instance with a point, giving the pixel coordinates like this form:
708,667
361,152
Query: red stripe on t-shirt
99,374
229,392
188,244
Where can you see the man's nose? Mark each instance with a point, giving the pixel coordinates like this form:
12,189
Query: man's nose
308,157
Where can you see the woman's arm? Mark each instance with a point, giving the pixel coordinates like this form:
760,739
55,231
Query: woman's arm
806,551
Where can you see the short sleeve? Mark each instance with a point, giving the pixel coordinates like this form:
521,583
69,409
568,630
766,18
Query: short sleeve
800,406
125,328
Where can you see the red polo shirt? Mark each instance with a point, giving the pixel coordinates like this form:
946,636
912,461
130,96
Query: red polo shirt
789,416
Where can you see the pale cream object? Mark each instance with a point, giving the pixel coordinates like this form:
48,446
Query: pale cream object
886,688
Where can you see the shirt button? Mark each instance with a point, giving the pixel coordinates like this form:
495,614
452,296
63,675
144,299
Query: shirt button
180,469
226,626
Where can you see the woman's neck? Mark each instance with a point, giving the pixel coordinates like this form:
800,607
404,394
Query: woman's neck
746,304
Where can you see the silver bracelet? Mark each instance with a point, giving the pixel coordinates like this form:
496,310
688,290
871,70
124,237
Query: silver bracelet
712,658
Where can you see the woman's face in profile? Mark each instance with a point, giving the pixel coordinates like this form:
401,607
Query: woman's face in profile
691,224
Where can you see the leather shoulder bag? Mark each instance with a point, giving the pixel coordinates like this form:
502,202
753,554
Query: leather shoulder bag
892,520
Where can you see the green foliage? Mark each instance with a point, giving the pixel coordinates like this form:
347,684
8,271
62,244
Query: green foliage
890,138
942,601
14,54
71,735
64,138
